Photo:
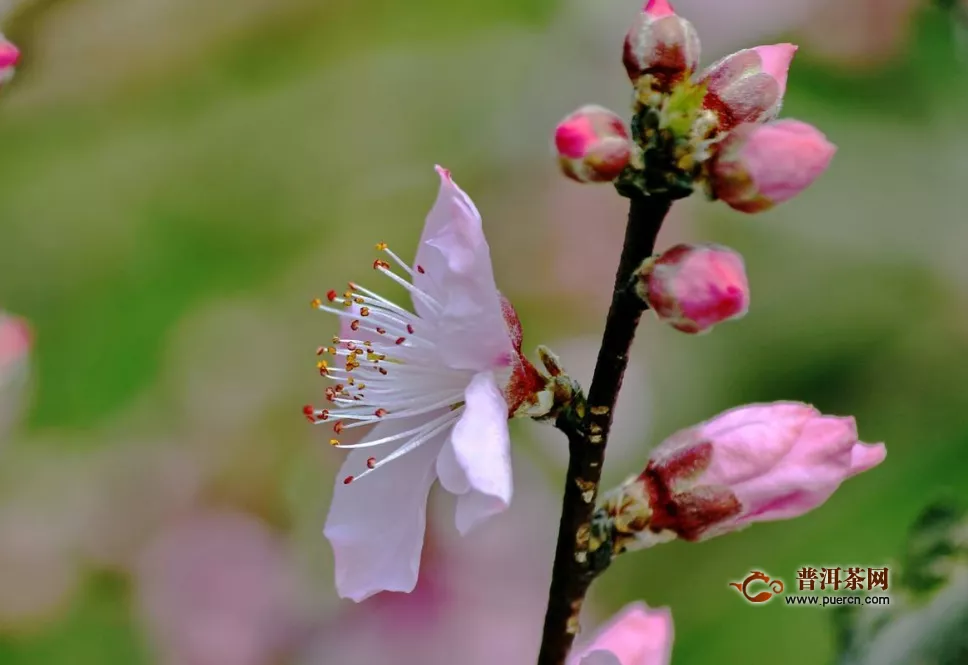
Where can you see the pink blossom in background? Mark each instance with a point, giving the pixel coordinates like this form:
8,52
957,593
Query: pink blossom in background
452,376
15,343
861,33
693,287
760,166
637,635
751,464
218,589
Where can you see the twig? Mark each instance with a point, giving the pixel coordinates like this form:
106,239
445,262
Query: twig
587,430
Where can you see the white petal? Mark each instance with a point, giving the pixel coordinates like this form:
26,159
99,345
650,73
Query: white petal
453,265
482,449
450,473
376,524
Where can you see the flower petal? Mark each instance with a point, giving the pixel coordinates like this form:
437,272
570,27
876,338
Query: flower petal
376,524
635,636
453,266
481,448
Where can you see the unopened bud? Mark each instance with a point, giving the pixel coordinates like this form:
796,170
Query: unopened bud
9,57
759,166
694,287
755,463
748,86
593,145
662,44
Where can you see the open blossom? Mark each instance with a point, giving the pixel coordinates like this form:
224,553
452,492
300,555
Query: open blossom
15,341
754,463
636,636
692,287
437,385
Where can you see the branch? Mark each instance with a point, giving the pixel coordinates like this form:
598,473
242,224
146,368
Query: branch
587,428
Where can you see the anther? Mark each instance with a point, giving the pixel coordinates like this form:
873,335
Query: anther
420,269
316,303
334,442
355,325
400,340
379,413
331,295
371,463
381,331
364,311
309,410
320,350
381,246
338,426
383,370
358,300
409,328
347,480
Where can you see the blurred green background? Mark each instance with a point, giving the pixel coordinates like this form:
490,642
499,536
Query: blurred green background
179,179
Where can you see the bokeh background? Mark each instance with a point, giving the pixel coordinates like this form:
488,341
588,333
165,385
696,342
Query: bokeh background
177,181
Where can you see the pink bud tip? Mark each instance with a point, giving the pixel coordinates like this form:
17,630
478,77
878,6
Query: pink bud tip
9,55
593,145
658,8
695,287
776,60
755,463
662,45
760,166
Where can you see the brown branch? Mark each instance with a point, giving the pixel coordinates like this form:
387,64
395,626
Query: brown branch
587,427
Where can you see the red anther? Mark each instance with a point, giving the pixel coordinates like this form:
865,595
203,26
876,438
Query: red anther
381,331
347,480
338,427
320,350
400,340
409,328
331,295
371,463
355,325
311,418
309,410
379,413
420,270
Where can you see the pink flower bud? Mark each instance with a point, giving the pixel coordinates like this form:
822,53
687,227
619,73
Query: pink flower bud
759,166
637,635
694,287
593,145
662,44
755,463
748,86
9,57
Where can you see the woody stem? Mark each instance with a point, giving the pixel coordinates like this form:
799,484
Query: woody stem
587,430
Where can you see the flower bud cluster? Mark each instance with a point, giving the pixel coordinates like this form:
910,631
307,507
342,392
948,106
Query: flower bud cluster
716,128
